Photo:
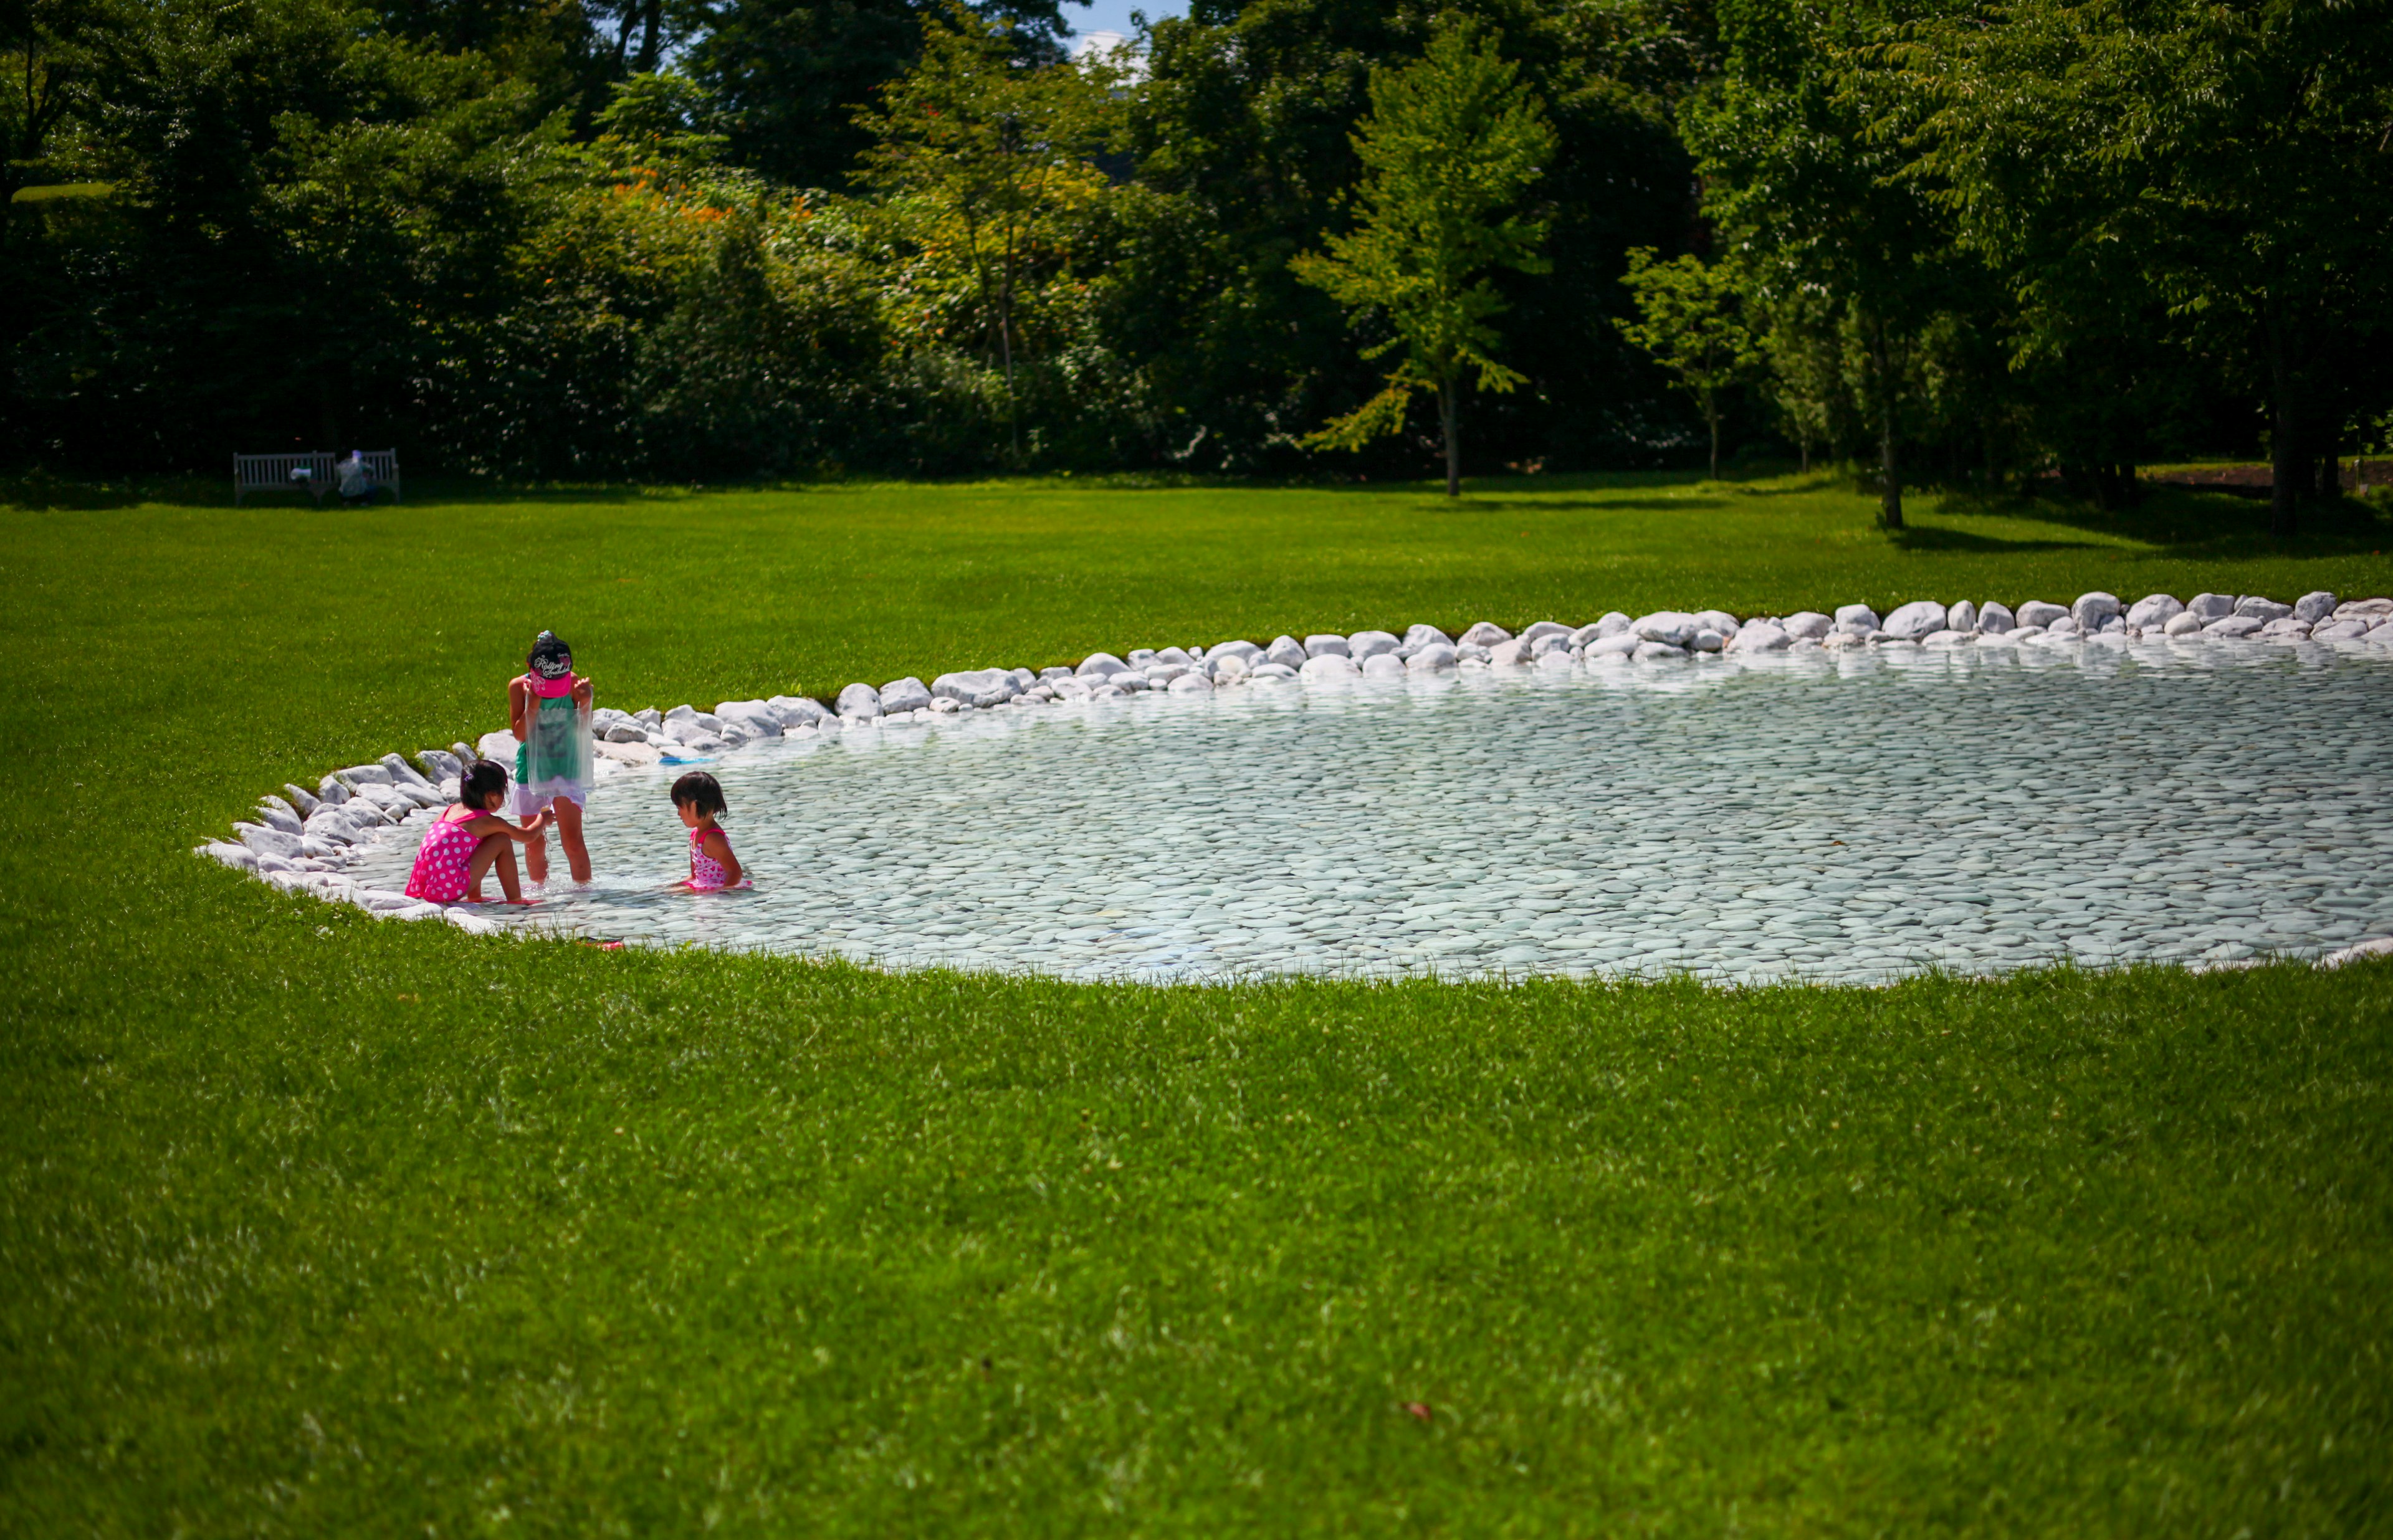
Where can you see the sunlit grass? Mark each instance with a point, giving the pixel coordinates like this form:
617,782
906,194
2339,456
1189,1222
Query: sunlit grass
314,1224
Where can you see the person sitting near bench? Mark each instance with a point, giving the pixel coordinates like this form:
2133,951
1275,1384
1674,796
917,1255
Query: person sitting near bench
357,483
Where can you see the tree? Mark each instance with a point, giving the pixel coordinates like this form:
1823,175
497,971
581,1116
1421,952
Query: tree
789,75
2224,162
1451,144
1807,195
986,175
1690,317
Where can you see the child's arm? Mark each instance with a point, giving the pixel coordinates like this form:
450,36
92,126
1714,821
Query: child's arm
516,709
720,849
583,694
491,822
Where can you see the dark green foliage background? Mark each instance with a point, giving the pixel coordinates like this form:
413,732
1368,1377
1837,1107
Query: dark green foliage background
414,224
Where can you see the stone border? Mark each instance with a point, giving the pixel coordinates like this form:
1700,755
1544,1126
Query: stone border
301,841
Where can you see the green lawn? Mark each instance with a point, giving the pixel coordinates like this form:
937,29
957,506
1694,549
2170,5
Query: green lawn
317,1225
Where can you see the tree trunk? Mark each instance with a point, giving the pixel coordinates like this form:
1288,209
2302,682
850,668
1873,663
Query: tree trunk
1448,410
650,25
1889,473
2285,448
1005,344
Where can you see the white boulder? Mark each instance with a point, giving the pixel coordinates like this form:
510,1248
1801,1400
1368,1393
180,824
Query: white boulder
1673,628
274,812
2037,612
1997,618
1287,651
1191,683
1806,624
1365,644
2208,608
1436,658
1328,666
2234,625
1326,645
2314,607
2153,611
1101,665
1856,620
796,711
2262,609
267,841
1483,633
1716,619
1383,665
2184,622
1760,636
1962,617
1418,637
859,702
1910,622
1648,651
1542,630
977,687
2092,611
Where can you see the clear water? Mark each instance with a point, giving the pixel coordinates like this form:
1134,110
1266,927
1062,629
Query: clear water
1846,818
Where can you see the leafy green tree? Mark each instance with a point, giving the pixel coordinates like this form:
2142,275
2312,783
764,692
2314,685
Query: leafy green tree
787,76
2224,163
1807,195
1690,317
986,175
1242,136
1452,144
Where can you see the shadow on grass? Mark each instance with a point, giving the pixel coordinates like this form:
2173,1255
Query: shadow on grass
1926,538
2195,523
1588,504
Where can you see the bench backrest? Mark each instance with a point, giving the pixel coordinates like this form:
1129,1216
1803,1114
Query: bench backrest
259,473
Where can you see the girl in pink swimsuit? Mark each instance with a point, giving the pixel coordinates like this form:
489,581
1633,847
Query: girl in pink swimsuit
699,798
470,838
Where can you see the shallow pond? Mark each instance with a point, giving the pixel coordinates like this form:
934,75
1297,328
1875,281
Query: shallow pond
1846,818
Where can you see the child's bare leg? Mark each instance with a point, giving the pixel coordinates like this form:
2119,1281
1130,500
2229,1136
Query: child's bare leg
495,850
568,834
536,856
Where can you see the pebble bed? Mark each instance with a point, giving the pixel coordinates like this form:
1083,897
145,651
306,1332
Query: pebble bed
1836,799
1839,817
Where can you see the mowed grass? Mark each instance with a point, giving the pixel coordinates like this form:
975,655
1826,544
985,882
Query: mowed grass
313,1225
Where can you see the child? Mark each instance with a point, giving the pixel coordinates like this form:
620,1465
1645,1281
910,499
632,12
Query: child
469,839
548,708
712,868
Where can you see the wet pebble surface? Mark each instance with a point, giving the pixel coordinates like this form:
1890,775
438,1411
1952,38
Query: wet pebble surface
1847,819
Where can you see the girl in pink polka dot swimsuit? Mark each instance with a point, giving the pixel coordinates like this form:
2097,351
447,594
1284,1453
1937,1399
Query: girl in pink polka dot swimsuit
698,797
470,838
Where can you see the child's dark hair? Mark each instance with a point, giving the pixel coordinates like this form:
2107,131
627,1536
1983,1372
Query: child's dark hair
700,791
481,778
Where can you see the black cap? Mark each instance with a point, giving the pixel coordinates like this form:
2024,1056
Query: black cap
551,659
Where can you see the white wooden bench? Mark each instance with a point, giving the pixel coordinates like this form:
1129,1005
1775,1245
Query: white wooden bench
276,473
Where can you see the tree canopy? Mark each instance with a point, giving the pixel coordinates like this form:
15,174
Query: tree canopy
2006,243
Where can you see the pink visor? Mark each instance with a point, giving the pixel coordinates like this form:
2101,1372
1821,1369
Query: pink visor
549,689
